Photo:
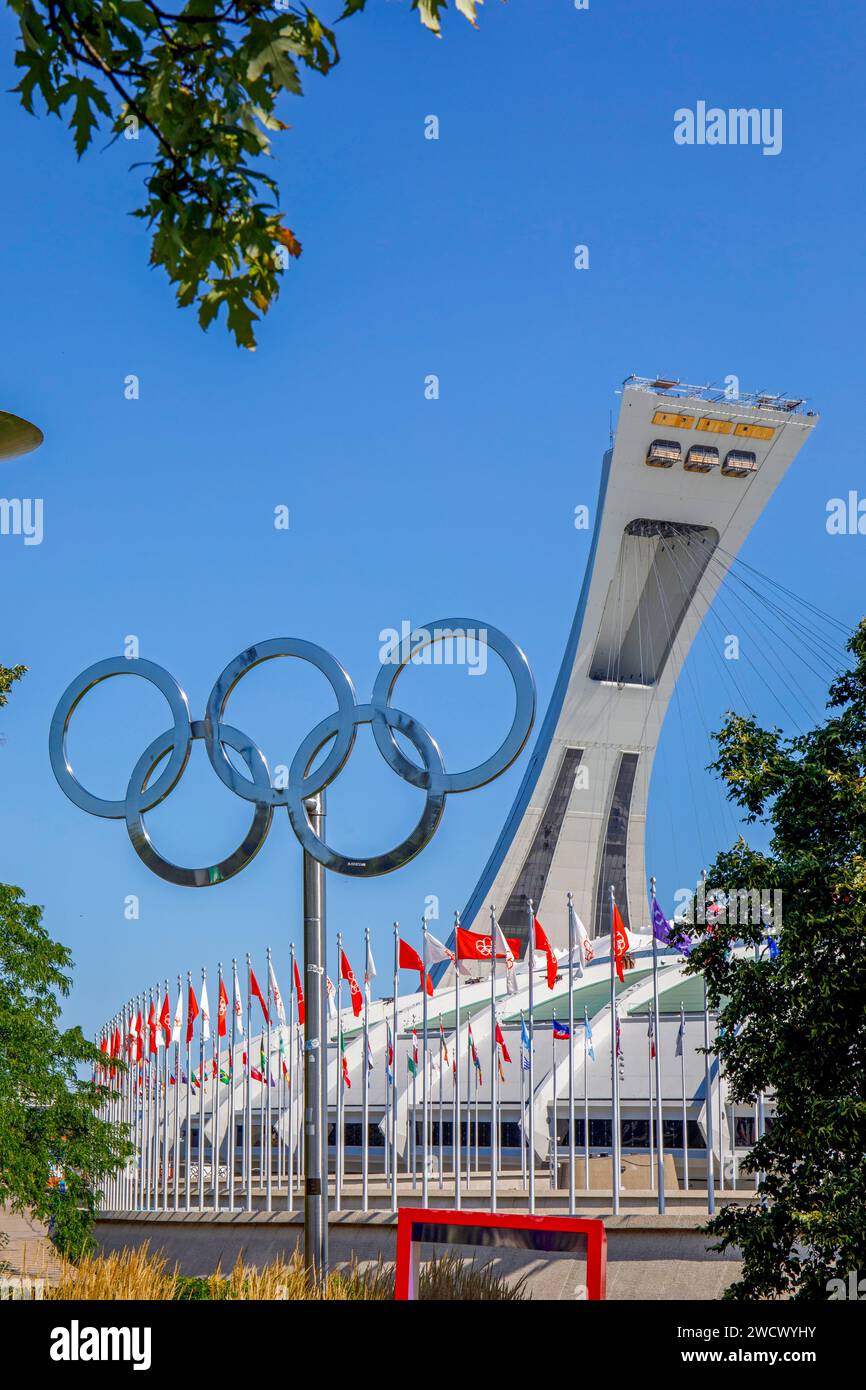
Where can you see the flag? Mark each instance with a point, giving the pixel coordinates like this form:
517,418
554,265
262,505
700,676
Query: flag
205,1012
499,1063
369,1054
584,945
300,994
619,1051
503,949
139,1040
178,1018
254,989
275,994
442,1043
501,1041
650,1032
561,1031
680,1038
369,970
543,944
772,947
475,1059
389,1054
239,1008
346,1080
165,1019
151,1024
437,950
415,1044
331,994
472,945
590,1050
347,973
409,959
620,944
222,1010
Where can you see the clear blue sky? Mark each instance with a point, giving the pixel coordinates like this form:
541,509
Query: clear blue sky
451,257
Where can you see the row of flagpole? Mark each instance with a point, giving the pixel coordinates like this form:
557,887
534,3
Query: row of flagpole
140,1099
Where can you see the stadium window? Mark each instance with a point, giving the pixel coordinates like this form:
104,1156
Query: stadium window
635,1134
744,1131
509,1131
599,1134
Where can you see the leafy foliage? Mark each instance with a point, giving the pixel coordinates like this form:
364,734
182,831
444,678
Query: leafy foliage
49,1117
8,676
795,1026
203,83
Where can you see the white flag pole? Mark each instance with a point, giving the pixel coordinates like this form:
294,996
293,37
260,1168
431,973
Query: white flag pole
231,1137
650,1098
523,1175
165,1146
585,1099
188,1134
660,1137
248,1096
572,1199
458,1196
494,1160
365,1094
338,1148
201,1099
530,956
555,1146
614,1072
394,1071
267,1084
290,1175
175,1162
425,1149
441,1112
683,1091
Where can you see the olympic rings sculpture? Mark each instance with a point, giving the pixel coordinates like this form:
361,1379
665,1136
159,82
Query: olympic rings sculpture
145,791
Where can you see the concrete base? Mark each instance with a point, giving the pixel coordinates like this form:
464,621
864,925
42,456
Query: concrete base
649,1256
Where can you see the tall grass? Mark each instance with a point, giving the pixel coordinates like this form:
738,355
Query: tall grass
140,1274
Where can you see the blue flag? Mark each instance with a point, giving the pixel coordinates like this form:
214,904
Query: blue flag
561,1031
666,934
524,1034
588,1031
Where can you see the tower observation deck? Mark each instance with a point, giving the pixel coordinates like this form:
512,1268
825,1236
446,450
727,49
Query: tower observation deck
688,474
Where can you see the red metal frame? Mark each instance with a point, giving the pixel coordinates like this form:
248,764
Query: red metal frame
593,1230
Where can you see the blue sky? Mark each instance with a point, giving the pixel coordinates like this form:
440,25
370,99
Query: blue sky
451,257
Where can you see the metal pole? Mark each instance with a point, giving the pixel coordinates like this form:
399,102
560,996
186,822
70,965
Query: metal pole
711,1189
555,1145
585,1100
494,1160
394,1072
215,1098
267,1083
571,1134
614,1073
248,1095
530,959
290,1195
188,1134
683,1086
232,1135
458,1198
660,1136
522,1108
338,1148
165,1146
425,1147
201,1099
365,1094
315,1045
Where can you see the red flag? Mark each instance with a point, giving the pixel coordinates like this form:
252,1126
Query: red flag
346,1072
254,989
472,945
222,1010
620,943
409,959
348,974
501,1041
191,1013
151,1024
165,1019
543,944
139,1041
300,994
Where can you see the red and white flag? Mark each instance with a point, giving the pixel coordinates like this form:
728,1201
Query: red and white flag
275,995
347,973
165,1019
204,1006
543,944
300,993
620,943
501,1041
238,1005
178,1018
222,1010
472,945
504,951
191,1013
331,996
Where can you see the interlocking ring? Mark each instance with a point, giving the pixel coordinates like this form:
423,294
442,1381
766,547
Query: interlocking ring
305,781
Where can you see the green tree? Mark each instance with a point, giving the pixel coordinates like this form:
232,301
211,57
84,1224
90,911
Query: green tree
202,82
49,1116
8,676
795,1025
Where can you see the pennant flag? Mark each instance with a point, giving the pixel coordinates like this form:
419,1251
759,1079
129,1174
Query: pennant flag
222,1009
300,993
561,1031
238,1003
254,989
369,971
681,1031
650,1032
543,944
504,951
178,1018
500,1039
151,1024
590,1050
409,959
347,973
331,994
275,994
165,1019
620,944
205,1012
472,945
139,1040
